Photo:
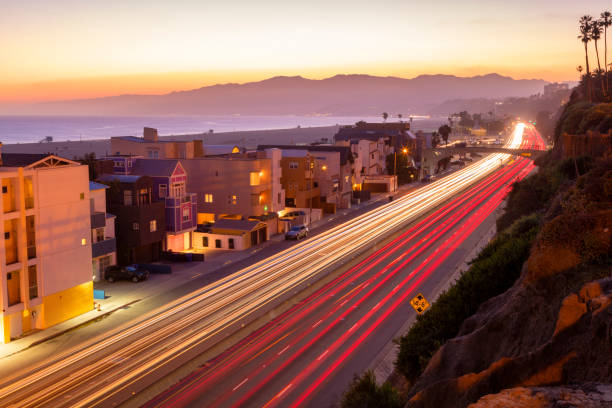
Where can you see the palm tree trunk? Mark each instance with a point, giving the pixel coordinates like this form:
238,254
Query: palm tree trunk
599,68
588,73
606,59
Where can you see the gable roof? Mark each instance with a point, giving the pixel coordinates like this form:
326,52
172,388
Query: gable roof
34,161
156,167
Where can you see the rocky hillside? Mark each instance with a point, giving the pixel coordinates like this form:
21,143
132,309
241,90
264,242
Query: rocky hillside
552,327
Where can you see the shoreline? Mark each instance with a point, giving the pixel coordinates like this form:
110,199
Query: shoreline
248,138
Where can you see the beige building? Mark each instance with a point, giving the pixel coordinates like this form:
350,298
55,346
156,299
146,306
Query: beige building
150,146
46,256
235,185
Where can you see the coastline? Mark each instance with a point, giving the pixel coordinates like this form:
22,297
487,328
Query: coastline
247,138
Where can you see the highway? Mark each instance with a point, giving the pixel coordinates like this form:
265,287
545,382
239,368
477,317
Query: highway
109,369
308,355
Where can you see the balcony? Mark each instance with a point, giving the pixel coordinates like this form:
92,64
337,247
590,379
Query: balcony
98,220
172,202
105,247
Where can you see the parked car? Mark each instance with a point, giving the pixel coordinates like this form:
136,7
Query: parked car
297,232
132,272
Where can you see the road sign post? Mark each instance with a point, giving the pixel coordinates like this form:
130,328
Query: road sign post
419,303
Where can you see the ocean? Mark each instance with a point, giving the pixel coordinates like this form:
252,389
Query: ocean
29,129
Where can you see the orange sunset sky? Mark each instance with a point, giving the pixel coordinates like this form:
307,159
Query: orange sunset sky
66,49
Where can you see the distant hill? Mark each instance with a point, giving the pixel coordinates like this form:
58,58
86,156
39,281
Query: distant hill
338,95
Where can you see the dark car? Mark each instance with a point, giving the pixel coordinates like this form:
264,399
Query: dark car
132,272
296,232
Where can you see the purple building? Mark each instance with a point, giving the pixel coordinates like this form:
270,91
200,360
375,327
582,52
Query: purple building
169,185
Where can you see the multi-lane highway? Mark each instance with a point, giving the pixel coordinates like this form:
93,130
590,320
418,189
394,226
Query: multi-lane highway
109,369
307,355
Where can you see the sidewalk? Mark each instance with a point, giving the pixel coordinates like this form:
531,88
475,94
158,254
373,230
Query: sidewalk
123,293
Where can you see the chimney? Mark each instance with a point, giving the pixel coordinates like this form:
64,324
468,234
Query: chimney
150,134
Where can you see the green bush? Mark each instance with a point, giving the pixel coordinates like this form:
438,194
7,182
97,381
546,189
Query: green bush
363,392
495,269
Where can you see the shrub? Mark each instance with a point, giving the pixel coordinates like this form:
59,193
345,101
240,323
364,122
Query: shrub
494,270
363,392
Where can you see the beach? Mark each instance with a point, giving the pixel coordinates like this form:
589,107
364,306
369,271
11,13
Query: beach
249,139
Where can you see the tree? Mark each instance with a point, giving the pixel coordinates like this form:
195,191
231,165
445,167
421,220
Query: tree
579,69
585,37
435,139
606,21
399,116
364,392
89,159
385,115
445,131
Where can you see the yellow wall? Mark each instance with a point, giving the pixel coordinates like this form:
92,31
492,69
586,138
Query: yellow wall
67,304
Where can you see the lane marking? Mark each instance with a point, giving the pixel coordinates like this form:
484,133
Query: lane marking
241,384
317,323
283,350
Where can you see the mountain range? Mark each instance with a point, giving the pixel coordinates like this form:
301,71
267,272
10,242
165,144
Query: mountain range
338,95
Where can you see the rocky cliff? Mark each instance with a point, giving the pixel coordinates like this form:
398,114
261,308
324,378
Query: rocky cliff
553,327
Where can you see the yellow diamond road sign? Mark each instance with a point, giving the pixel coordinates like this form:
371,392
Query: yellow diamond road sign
419,303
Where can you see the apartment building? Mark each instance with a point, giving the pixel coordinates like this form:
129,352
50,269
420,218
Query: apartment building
319,174
141,221
235,186
103,241
46,258
170,186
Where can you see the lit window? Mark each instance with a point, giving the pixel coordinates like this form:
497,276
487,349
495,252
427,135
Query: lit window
234,199
208,198
135,226
153,226
254,178
186,214
83,241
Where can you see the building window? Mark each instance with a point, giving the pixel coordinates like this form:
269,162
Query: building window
83,241
127,197
293,165
178,189
105,262
254,178
230,243
208,198
153,154
136,226
82,196
346,179
217,243
13,286
205,242
163,190
99,234
7,235
232,199
279,198
186,214
118,164
32,282
153,225
4,189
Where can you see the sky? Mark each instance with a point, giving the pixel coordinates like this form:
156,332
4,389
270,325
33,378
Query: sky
66,49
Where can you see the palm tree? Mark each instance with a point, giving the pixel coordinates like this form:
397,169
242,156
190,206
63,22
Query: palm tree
399,115
595,36
605,22
444,130
585,37
385,115
579,69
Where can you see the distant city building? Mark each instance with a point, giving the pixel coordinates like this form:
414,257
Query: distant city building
46,258
150,146
103,242
555,87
